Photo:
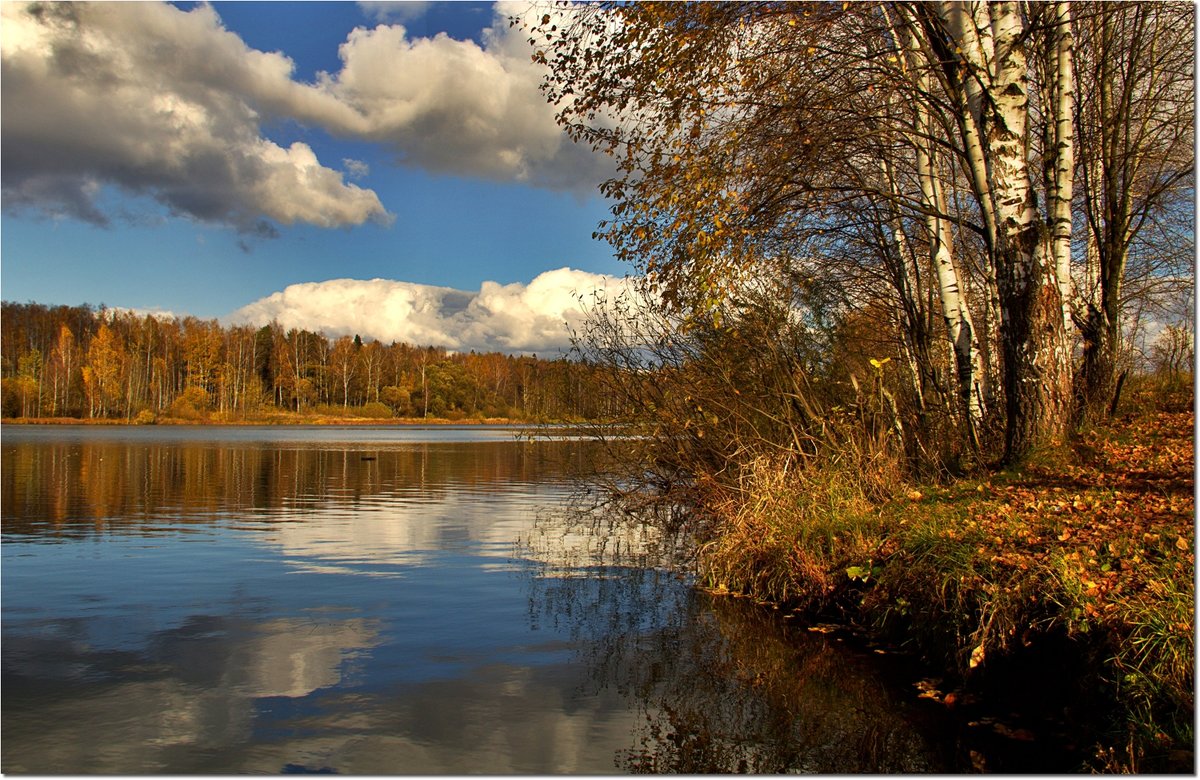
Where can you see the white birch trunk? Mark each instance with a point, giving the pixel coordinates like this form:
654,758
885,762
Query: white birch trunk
910,288
960,20
1063,172
953,297
955,311
989,44
1011,182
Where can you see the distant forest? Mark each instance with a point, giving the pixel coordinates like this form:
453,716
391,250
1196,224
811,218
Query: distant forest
77,361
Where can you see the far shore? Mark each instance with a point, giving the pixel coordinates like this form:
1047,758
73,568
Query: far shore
283,419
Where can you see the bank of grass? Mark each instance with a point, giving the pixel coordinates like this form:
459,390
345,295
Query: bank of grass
1082,561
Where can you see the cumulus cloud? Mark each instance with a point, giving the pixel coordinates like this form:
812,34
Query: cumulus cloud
459,107
159,102
513,318
166,103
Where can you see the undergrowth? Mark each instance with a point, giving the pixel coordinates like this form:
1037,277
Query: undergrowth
1091,542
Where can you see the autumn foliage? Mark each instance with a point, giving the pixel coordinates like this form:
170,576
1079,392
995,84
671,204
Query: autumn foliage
82,363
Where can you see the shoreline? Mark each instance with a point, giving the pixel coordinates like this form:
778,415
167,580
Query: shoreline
316,421
1060,591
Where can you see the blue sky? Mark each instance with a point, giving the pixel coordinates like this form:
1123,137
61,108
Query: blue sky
203,159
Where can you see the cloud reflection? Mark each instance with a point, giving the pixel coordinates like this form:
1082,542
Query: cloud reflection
229,696
191,694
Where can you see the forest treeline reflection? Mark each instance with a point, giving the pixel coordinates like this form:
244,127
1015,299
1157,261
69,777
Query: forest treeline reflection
80,487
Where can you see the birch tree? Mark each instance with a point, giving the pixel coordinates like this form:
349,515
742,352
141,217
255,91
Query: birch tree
746,132
1135,126
63,361
985,69
342,362
970,370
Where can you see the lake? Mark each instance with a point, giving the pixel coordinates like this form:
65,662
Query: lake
385,601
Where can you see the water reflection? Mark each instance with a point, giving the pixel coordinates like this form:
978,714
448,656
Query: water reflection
208,697
110,485
73,707
199,606
723,686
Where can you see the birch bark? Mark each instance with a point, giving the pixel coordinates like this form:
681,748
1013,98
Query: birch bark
992,76
955,311
1061,156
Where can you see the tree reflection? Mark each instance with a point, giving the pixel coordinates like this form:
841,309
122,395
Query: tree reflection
82,487
726,686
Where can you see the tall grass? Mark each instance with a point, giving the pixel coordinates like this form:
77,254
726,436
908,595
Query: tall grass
789,535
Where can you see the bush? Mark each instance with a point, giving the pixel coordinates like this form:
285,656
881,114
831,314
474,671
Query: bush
191,404
375,411
398,398
145,417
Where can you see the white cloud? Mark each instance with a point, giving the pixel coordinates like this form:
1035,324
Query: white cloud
157,312
160,102
355,169
394,10
514,318
458,107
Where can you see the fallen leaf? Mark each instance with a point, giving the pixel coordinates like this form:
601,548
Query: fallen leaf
1025,735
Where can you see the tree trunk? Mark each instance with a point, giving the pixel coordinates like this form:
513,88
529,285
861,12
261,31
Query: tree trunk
955,311
990,41
1061,154
1094,386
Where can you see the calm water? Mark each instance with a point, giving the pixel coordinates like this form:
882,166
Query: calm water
381,601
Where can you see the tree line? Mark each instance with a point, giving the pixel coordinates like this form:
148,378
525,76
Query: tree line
77,361
993,195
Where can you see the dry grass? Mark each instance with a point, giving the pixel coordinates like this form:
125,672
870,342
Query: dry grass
1093,542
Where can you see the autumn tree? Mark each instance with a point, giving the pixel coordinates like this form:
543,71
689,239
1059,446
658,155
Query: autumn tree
119,363
62,366
800,140
1135,126
370,368
103,372
343,360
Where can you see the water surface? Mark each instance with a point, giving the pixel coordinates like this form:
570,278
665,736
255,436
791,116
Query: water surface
380,601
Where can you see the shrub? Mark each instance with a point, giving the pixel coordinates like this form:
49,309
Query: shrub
375,411
191,404
398,398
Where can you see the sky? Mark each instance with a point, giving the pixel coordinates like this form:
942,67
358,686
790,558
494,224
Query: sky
385,169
